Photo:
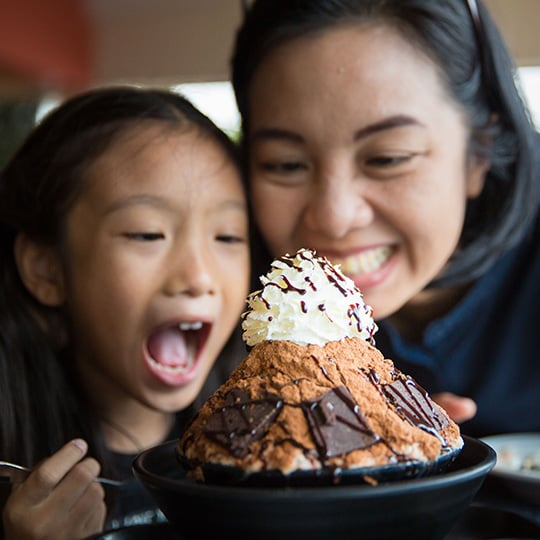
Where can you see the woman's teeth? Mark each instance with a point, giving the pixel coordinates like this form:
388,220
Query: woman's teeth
365,262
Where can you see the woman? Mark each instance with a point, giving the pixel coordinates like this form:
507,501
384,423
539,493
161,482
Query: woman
390,137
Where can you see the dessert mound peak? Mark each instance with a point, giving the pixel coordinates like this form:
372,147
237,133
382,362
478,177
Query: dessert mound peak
307,300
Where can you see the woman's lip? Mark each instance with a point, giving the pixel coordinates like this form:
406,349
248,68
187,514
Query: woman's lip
368,266
178,376
334,254
368,280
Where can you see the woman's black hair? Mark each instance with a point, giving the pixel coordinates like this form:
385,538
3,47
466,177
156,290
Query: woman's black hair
41,401
480,76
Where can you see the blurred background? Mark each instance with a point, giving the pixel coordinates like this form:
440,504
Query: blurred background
50,49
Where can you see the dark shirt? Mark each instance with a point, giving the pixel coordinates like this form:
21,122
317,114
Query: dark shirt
131,504
487,347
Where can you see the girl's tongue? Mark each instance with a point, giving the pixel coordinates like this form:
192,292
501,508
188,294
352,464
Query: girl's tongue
170,347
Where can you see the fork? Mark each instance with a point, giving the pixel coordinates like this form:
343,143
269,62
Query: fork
101,480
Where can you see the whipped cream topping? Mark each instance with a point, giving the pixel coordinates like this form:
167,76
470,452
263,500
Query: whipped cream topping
307,300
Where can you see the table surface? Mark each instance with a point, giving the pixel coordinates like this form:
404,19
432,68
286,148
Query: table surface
495,515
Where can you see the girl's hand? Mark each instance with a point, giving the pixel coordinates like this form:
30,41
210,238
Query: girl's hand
459,408
59,500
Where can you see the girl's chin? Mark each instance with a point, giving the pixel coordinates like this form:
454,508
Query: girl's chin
177,402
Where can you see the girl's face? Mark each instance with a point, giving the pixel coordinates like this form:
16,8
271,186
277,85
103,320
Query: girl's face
158,265
358,152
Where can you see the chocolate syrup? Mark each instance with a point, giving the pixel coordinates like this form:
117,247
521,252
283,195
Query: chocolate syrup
288,286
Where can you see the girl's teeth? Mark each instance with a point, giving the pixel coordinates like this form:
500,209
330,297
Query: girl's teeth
185,326
173,370
365,262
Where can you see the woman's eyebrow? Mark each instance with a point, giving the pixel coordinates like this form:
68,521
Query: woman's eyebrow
277,134
388,123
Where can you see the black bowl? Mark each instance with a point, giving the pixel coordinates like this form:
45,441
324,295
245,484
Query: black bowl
234,476
423,509
163,531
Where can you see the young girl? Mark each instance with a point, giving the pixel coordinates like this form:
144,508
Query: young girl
390,136
124,269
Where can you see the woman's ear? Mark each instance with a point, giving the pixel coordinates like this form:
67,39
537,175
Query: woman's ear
479,162
476,176
40,270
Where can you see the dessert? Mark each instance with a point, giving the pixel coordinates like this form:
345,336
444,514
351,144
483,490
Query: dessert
314,398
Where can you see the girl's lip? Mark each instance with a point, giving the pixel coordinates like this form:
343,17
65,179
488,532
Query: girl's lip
181,375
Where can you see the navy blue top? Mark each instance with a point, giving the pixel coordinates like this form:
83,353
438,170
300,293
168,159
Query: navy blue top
131,504
487,347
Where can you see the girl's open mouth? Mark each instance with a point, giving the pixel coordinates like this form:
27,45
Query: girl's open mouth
172,352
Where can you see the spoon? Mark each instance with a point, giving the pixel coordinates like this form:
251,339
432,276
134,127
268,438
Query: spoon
14,466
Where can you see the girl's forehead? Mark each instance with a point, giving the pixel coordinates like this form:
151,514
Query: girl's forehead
155,146
135,138
160,162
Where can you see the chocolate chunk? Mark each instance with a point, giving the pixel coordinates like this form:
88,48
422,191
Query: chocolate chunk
336,424
414,404
242,421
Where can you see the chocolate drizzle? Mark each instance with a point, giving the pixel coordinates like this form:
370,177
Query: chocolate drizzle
309,281
413,403
336,424
241,421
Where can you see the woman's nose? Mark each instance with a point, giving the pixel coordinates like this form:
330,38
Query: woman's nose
191,271
337,205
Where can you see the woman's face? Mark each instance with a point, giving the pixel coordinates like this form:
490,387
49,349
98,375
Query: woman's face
358,152
158,267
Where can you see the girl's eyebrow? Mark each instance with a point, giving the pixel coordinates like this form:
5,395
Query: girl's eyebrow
137,200
164,203
388,123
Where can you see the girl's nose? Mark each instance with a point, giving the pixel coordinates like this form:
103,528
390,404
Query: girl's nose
190,271
336,205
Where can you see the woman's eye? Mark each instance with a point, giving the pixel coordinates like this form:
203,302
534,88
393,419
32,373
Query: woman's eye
283,167
144,236
388,161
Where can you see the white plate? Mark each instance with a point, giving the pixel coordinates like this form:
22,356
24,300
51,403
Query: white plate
513,451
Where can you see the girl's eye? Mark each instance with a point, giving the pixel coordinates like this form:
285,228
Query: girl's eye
144,236
230,239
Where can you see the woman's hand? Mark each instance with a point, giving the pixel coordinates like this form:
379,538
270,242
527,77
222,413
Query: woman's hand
459,408
59,500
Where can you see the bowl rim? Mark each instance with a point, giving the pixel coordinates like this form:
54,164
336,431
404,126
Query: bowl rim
412,485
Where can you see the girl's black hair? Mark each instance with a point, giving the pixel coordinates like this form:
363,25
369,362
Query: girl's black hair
42,403
480,76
